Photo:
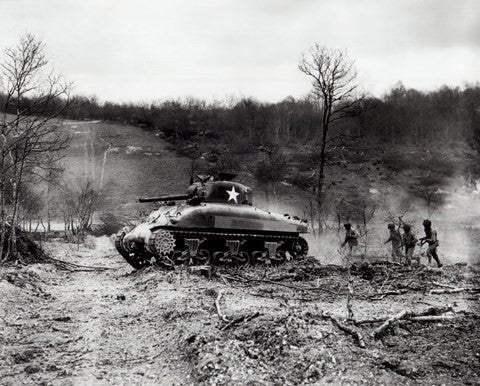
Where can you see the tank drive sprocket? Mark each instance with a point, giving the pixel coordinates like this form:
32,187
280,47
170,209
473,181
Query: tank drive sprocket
161,243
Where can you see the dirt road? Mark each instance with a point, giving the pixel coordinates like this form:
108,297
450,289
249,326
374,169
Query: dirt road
115,326
84,327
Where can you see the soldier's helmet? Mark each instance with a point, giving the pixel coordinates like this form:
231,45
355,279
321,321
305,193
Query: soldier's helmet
427,223
391,226
406,227
347,225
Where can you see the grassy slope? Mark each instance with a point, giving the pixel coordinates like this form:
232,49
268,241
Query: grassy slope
138,163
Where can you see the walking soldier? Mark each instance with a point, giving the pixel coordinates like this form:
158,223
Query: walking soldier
409,241
432,240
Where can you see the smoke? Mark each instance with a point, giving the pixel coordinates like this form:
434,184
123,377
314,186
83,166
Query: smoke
455,215
456,218
458,224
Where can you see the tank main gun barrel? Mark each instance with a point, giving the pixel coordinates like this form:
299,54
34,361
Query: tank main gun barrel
166,198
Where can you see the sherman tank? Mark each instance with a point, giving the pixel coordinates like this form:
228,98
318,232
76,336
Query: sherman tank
215,223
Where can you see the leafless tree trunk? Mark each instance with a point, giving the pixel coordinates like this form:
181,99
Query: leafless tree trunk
367,214
334,87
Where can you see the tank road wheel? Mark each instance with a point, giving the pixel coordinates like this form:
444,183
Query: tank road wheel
259,257
234,256
218,258
242,258
180,257
202,257
279,257
192,255
299,248
183,257
134,255
226,258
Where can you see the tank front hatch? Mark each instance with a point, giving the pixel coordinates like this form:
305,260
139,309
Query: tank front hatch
228,192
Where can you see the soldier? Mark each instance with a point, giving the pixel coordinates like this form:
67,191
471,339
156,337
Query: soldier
351,238
396,239
432,240
409,241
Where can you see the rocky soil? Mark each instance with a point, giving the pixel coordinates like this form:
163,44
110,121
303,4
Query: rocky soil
99,322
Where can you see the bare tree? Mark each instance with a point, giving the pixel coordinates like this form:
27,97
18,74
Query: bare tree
31,206
367,213
31,140
79,205
335,89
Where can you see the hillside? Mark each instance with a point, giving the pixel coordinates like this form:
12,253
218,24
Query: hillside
136,163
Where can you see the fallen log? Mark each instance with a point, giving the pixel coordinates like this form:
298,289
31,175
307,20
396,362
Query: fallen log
433,311
426,318
443,285
447,291
380,331
380,296
240,319
66,265
426,315
432,318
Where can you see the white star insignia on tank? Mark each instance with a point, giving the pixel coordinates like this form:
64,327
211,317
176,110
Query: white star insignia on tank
232,195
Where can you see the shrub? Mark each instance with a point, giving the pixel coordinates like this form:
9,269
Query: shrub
301,180
399,162
109,224
440,165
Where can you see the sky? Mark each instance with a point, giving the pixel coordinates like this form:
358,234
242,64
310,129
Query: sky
143,51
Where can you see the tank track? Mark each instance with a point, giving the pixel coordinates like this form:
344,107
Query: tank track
216,248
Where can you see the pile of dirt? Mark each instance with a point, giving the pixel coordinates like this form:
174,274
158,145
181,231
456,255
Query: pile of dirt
448,350
28,250
30,280
272,349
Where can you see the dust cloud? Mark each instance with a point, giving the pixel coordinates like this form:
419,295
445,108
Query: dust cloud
457,221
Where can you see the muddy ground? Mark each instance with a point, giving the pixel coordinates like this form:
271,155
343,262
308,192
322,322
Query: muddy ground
67,325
